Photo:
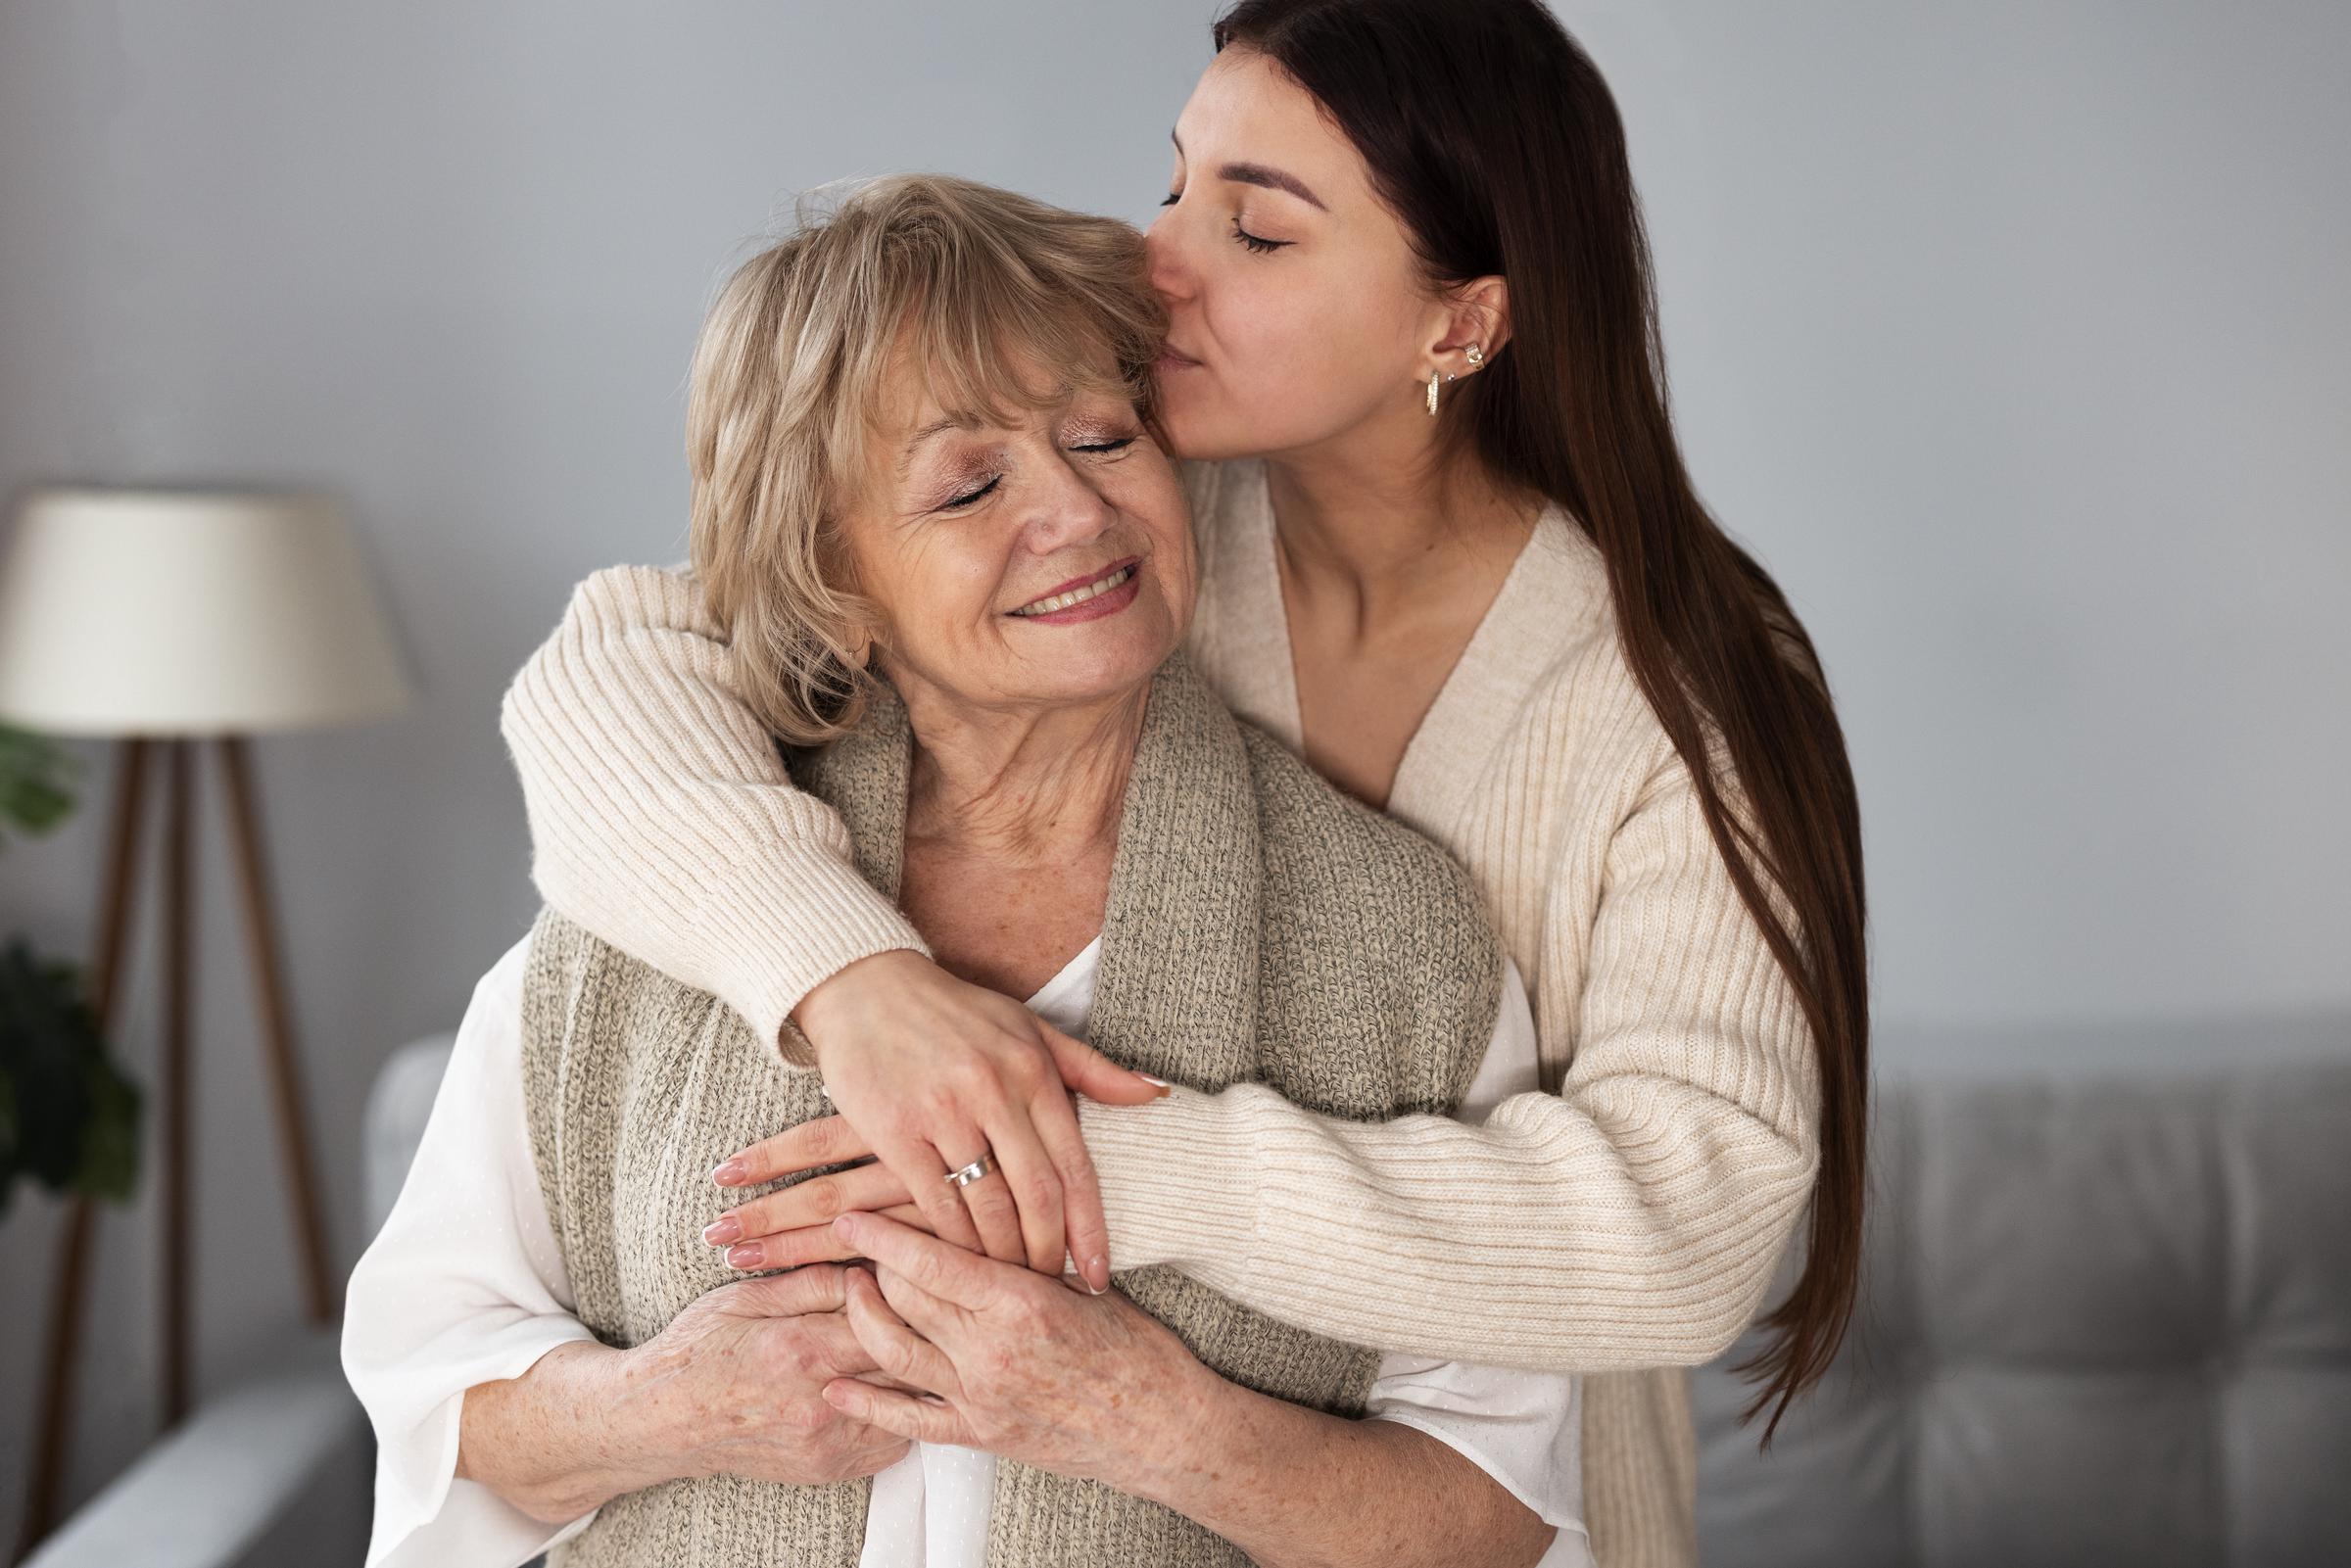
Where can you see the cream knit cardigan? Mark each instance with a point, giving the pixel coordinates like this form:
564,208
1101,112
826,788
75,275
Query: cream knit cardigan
1624,1222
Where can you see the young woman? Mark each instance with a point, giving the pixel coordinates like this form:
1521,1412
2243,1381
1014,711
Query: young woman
1450,555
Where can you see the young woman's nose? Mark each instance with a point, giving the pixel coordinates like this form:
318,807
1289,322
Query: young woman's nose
1163,249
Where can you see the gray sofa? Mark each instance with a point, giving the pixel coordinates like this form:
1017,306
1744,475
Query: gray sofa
2104,1324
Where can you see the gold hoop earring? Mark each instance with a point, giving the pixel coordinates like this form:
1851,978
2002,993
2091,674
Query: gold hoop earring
1432,394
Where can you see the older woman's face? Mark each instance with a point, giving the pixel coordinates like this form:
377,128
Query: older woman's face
1040,563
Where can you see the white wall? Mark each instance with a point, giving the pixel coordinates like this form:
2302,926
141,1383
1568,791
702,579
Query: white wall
2016,337
2009,335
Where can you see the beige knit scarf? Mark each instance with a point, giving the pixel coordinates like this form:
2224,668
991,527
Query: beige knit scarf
1260,926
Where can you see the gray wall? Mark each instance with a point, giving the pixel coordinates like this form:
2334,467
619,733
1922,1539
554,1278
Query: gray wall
2008,336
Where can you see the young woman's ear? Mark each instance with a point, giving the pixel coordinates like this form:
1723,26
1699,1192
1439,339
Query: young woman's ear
1478,315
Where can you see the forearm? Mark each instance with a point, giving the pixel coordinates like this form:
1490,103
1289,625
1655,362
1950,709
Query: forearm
576,1430
1295,1487
1636,1226
662,818
1632,1220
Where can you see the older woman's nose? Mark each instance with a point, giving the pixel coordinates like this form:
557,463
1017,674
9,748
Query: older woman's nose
1073,510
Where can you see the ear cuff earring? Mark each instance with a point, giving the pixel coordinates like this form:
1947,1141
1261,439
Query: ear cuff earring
1478,357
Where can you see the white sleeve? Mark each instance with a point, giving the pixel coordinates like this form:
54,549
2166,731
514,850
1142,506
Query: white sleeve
1522,1428
464,1284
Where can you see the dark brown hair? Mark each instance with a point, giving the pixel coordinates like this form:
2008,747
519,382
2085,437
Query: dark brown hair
1493,138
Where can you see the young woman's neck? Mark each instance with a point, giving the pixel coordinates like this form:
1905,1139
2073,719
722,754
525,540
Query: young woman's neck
1366,525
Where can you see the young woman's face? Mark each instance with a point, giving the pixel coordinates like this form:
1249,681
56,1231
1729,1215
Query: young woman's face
1297,312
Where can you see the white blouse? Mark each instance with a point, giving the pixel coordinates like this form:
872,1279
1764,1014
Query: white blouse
465,1284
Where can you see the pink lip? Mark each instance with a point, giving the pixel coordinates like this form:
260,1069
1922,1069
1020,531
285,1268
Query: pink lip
1081,582
1177,357
1095,608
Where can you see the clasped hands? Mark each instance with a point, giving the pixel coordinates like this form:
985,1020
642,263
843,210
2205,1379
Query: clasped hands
966,1349
972,1340
995,1356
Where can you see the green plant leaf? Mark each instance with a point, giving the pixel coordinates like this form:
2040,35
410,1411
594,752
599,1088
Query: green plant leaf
69,1115
37,780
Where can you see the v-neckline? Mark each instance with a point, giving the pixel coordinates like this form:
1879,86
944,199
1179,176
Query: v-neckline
1065,979
1475,705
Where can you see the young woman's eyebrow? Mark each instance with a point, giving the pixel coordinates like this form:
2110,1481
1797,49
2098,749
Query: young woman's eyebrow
1273,180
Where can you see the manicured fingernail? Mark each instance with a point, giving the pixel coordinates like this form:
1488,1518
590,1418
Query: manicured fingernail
1097,1274
751,1255
722,1231
1164,1084
730,1174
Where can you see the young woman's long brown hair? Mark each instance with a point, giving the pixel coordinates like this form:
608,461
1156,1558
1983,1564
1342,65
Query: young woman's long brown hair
1492,137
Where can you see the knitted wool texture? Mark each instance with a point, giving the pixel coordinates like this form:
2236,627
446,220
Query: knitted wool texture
1261,927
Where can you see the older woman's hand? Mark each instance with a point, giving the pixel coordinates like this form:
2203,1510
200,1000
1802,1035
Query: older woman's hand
734,1384
934,1071
1083,1384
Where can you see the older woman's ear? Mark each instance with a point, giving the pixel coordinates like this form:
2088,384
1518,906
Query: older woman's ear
855,641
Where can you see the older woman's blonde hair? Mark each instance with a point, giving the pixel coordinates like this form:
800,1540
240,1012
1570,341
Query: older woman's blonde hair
791,368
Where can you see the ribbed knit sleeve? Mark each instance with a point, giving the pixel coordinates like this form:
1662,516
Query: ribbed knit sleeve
1632,1220
661,815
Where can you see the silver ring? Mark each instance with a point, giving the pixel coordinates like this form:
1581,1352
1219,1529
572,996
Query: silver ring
973,1172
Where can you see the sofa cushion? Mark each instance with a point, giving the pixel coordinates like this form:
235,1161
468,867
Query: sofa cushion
2101,1322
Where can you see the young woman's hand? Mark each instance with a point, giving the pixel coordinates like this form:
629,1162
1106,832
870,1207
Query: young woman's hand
934,1071
793,1226
1089,1386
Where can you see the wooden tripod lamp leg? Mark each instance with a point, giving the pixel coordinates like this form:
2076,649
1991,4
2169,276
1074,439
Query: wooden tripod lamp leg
175,1172
54,1433
277,1035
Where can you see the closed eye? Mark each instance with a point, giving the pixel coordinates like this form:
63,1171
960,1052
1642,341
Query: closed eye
1263,246
968,498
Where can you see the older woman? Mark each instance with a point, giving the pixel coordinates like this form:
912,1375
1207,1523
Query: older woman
964,568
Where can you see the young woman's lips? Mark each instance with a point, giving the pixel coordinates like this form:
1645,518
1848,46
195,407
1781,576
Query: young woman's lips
1108,603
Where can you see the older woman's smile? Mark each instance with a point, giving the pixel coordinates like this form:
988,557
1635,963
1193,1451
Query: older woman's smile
1105,593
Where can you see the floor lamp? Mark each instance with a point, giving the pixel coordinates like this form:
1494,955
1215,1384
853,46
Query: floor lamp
176,621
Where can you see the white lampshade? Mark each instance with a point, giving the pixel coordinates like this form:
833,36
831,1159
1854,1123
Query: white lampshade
129,612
